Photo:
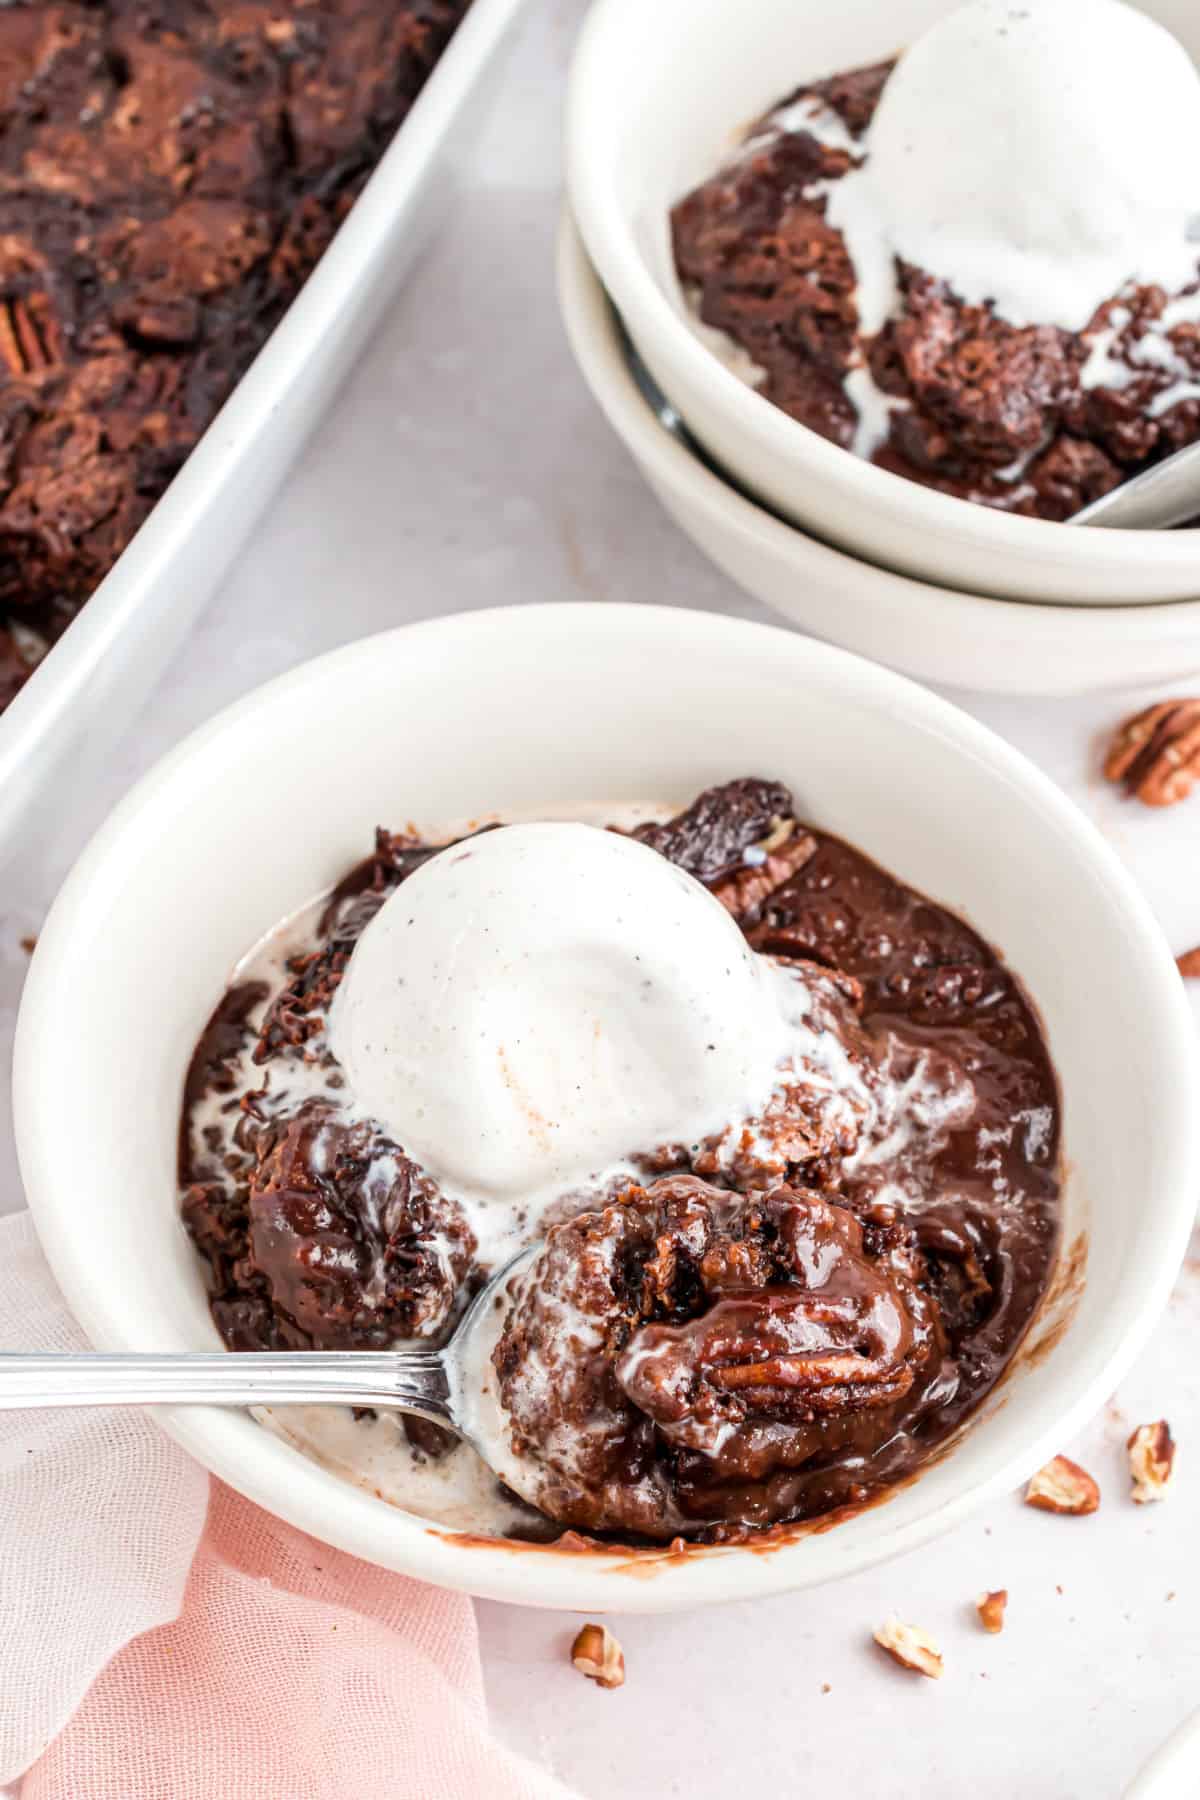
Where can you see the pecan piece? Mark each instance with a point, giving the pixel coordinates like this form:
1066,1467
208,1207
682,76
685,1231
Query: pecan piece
1156,754
782,857
28,339
597,1654
1063,1487
1189,964
990,1608
911,1647
1151,1461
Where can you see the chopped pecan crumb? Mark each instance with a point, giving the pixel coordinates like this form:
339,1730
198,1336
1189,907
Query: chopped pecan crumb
1063,1487
1189,964
597,1654
1156,754
911,1647
990,1608
1151,1461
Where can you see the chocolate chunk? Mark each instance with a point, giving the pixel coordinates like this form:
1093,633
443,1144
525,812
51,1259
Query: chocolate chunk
711,838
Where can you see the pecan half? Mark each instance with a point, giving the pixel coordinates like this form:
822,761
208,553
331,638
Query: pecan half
911,1647
990,1608
1151,1461
28,337
1189,964
1063,1487
1156,754
781,1350
597,1654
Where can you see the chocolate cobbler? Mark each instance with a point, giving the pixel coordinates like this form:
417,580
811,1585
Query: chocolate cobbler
170,173
769,1324
1031,418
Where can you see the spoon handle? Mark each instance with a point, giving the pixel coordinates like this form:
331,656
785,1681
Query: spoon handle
410,1380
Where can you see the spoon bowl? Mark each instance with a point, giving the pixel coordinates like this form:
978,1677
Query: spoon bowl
1165,496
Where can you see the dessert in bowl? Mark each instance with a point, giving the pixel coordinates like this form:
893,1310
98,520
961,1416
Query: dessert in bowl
789,1131
867,261
330,1209
936,634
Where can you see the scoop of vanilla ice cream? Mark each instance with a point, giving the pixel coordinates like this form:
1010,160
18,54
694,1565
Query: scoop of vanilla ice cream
1035,153
537,1003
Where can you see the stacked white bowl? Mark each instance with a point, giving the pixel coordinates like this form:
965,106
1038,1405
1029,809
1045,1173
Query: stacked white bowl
946,589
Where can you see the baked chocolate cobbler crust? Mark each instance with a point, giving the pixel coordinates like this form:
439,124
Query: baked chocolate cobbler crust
745,1358
772,1324
170,173
1011,417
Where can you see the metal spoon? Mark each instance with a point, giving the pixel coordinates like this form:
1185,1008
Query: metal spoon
668,417
1166,495
432,1384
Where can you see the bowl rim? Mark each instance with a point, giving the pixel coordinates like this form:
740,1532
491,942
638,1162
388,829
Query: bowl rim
603,45
589,319
278,1477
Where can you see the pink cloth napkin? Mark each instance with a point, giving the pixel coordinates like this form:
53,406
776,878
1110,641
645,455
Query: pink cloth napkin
161,1636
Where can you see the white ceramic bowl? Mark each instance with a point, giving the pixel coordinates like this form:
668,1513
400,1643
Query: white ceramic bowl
657,95
555,706
962,640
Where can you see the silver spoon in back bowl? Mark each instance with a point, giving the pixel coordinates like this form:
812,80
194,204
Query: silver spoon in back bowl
1166,495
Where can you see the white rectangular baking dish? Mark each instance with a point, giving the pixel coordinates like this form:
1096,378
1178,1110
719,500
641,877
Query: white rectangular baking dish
78,699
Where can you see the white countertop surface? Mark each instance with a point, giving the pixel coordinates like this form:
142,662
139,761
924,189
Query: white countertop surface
464,467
